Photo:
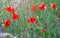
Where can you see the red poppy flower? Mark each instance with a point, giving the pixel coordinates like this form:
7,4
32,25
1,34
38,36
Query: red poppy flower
54,6
42,6
15,16
7,23
10,9
32,20
44,30
33,8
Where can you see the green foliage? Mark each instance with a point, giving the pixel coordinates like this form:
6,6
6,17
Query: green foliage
47,19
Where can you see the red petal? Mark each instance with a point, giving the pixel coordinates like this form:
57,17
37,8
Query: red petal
7,23
15,16
32,20
33,8
54,6
10,9
44,30
42,6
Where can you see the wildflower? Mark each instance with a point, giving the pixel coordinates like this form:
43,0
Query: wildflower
15,16
32,20
44,30
7,23
10,9
42,6
53,6
33,8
